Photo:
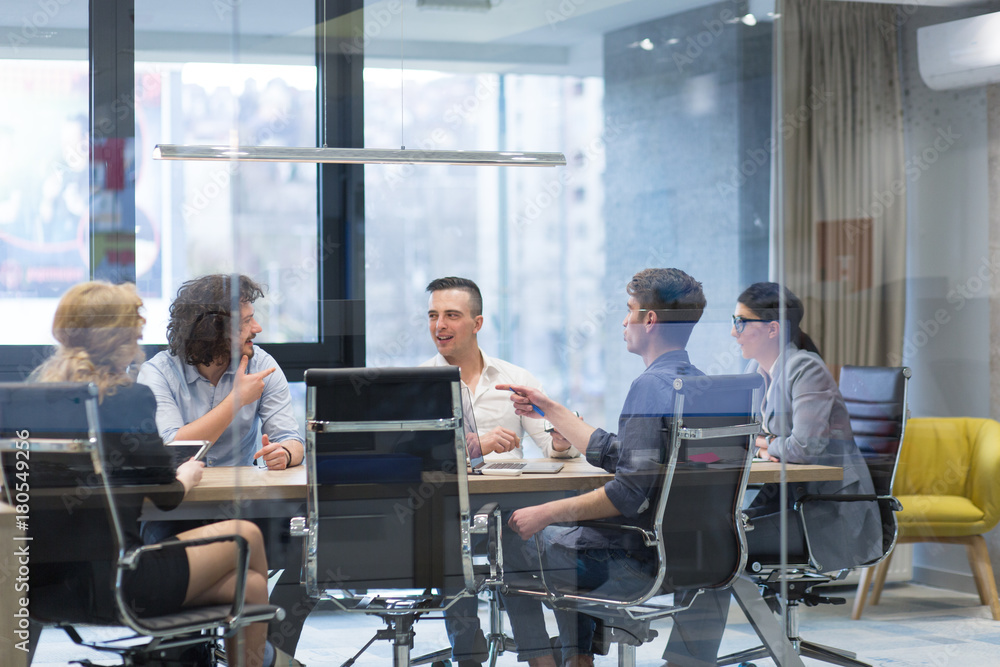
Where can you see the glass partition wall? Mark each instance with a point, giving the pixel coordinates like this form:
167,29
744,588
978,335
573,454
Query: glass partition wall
812,143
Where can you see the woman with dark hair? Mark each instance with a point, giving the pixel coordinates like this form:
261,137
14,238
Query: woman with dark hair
804,420
98,326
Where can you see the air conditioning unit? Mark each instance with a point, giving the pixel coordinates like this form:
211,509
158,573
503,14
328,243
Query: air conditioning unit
960,54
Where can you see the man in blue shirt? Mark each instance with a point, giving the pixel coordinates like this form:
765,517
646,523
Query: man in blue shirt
663,307
203,393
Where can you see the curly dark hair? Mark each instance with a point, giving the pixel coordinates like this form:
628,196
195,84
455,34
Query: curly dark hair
201,315
676,297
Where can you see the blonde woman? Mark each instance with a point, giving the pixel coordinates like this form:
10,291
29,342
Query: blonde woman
98,326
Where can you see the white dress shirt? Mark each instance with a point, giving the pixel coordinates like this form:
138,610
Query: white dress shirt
493,407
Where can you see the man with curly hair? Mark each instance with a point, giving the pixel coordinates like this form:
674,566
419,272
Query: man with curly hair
214,384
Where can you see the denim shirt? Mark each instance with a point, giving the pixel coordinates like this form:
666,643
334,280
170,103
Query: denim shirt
184,395
634,455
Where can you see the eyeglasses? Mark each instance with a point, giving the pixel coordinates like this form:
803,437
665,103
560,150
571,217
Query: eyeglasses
638,310
740,323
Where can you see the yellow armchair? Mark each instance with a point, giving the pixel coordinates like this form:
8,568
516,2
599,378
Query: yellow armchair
948,480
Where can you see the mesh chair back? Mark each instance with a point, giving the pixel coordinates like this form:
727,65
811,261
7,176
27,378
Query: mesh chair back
712,440
386,467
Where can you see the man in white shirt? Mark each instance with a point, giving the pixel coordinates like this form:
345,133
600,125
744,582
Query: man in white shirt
455,316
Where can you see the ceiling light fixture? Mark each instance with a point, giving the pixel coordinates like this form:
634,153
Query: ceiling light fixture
356,155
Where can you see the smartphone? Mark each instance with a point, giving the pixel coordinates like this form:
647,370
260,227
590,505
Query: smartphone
549,427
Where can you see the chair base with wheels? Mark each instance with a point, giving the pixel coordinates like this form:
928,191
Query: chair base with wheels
198,647
799,591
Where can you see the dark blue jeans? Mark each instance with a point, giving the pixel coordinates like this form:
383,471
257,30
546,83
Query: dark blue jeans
461,621
612,573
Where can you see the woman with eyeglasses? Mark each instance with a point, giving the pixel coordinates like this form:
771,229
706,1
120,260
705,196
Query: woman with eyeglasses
804,420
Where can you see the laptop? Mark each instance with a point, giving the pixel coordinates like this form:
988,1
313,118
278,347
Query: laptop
476,462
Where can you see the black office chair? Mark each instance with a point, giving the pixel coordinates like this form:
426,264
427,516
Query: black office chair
73,476
876,402
697,528
388,501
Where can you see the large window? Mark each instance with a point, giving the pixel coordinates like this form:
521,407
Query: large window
215,85
44,190
649,140
76,204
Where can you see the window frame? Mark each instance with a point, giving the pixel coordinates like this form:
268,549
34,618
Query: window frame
340,189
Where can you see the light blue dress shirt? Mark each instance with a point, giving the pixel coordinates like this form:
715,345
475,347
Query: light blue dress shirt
184,395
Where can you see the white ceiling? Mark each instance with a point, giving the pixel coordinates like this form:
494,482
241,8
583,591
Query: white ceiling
563,36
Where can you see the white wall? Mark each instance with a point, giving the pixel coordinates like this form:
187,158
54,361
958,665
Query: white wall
950,265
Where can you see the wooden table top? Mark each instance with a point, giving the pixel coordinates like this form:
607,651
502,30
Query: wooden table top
221,484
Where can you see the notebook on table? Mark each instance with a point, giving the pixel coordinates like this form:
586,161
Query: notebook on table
476,462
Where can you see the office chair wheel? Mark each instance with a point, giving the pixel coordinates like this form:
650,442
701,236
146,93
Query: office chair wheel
441,663
746,664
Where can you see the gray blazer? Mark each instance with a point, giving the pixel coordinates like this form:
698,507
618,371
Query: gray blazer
806,413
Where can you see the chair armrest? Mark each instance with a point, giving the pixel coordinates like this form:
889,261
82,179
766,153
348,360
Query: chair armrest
487,521
131,561
649,539
893,503
481,518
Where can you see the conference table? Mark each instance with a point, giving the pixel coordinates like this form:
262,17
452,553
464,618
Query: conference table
235,486
248,492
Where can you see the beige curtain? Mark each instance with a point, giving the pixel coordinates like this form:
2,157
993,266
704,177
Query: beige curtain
840,193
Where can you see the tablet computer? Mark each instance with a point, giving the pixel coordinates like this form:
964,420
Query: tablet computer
182,450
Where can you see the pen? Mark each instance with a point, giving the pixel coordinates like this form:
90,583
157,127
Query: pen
533,406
